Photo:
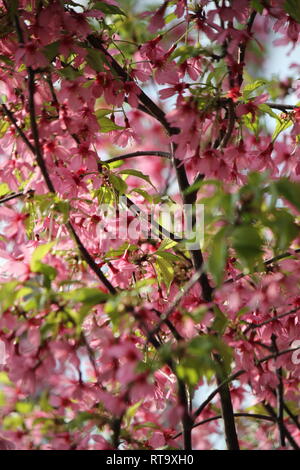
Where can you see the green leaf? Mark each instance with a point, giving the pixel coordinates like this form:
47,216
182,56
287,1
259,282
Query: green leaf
248,89
39,253
13,8
24,407
69,72
7,295
281,126
257,5
197,361
6,60
247,244
164,271
4,125
167,256
138,174
101,112
48,271
87,295
292,8
264,108
143,193
95,60
4,189
51,50
218,255
117,183
108,9
220,321
284,228
289,190
166,244
106,124
131,411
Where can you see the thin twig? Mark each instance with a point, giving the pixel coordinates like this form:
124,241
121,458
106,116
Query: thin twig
179,296
243,46
266,263
253,326
279,396
286,432
40,160
152,153
170,325
281,106
161,230
13,120
235,376
12,196
236,415
187,419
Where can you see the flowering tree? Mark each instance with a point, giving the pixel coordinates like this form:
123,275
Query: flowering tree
116,331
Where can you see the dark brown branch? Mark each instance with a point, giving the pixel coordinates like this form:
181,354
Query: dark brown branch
153,109
188,198
281,106
253,326
34,129
293,417
231,122
90,261
161,230
12,196
215,391
279,396
230,432
13,120
187,419
266,263
170,325
236,415
40,160
116,429
235,376
280,353
138,154
243,46
286,432
179,296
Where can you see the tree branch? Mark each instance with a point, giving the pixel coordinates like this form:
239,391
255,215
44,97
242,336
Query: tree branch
286,432
138,154
266,263
253,326
281,106
235,376
279,396
40,160
179,296
236,415
243,46
12,196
